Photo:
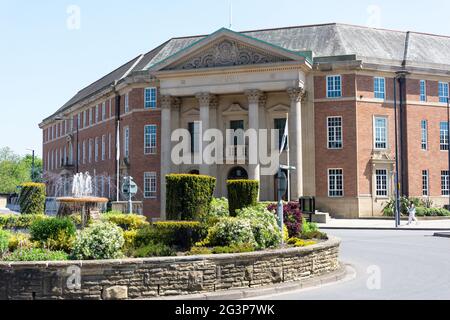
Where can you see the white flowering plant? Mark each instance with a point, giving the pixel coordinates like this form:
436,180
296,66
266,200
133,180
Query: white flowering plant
230,231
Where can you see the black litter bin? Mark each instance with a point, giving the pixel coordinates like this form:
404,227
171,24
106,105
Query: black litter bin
308,206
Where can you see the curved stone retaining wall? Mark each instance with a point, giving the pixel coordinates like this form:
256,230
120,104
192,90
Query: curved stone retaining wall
157,277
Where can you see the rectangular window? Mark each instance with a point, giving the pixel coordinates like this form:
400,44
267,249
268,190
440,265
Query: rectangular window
335,183
84,152
379,88
194,130
150,185
423,90
96,149
424,133
110,108
335,133
150,98
381,133
280,125
103,147
109,146
425,183
444,136
126,142
91,118
90,150
334,86
443,92
104,111
127,101
445,188
150,139
96,114
382,183
84,119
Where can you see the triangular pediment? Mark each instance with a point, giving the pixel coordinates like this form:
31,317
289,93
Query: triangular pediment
226,48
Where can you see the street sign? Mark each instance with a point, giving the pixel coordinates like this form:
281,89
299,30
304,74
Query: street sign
282,183
128,187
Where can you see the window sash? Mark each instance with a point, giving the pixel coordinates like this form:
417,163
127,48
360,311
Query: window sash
423,90
425,183
380,133
424,128
335,140
379,88
103,148
443,92
381,183
444,136
150,98
127,101
445,187
126,144
150,139
334,86
150,185
335,183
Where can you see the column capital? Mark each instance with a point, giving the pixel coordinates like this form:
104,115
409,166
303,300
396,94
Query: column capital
255,96
168,102
206,98
296,94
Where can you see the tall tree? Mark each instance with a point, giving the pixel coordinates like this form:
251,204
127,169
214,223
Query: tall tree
15,170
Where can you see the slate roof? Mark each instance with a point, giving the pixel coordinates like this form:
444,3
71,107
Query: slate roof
325,40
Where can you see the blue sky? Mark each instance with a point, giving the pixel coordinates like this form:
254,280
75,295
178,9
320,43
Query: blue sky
43,62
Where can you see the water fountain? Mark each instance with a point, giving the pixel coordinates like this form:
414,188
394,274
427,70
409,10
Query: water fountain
82,196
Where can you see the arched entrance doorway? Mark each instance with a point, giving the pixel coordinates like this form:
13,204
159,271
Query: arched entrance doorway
238,173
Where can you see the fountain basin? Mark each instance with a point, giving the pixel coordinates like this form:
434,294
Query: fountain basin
82,200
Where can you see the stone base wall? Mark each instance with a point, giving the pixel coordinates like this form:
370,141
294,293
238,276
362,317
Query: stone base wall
162,277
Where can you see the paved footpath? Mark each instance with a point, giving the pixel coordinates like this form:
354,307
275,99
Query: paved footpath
385,224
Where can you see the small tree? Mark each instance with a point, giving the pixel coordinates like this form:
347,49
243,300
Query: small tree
242,194
32,198
189,196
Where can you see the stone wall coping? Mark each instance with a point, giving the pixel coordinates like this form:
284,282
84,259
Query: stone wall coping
330,243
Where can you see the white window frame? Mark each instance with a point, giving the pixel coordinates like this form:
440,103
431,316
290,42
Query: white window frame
91,142
444,138
424,135
443,91
425,183
150,185
150,139
126,142
379,92
152,102
335,132
445,186
97,115
104,111
109,146
375,118
338,92
96,153
127,103
382,187
91,117
333,193
103,147
84,118
423,91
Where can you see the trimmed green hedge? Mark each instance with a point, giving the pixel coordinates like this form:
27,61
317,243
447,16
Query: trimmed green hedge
189,196
23,221
32,198
242,194
432,212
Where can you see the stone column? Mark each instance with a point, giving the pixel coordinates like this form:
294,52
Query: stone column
205,100
255,97
167,102
295,141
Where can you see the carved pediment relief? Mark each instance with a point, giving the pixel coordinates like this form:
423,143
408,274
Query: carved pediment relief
382,157
235,109
279,108
192,112
226,53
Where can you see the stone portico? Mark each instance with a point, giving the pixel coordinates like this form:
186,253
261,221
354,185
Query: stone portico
228,77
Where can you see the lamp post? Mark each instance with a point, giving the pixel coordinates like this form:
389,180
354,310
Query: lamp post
397,183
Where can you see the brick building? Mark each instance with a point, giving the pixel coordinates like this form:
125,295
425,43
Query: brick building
335,81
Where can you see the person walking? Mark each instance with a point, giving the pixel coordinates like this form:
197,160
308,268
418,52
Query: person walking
412,214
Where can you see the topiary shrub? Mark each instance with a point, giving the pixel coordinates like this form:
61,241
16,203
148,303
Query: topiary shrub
54,233
32,198
230,231
189,196
126,221
182,234
34,254
292,217
242,194
23,221
102,240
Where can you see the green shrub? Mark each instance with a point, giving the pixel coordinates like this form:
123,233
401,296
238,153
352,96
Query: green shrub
126,221
76,219
20,241
264,226
129,244
230,231
154,250
219,208
32,198
296,242
36,255
311,231
55,233
102,240
389,208
199,251
432,212
182,234
23,221
189,196
4,242
242,248
242,194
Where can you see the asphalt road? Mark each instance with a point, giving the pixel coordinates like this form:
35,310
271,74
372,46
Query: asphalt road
405,265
